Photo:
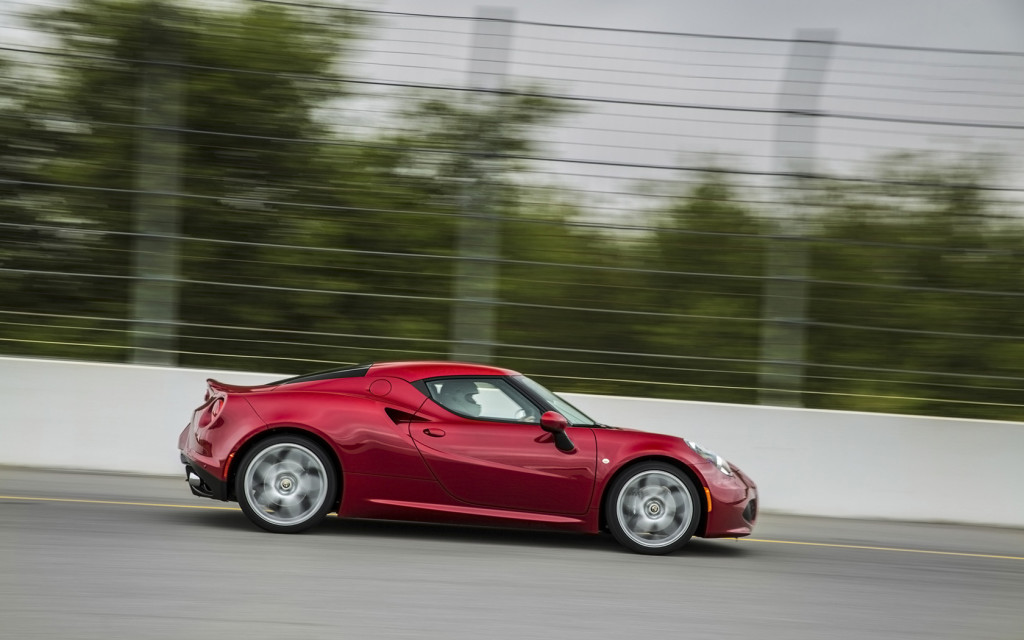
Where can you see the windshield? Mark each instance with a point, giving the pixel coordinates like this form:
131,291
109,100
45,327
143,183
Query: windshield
571,413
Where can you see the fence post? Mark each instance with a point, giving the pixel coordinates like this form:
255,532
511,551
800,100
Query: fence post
154,296
474,313
784,312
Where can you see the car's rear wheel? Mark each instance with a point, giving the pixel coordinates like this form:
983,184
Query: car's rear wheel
286,484
652,508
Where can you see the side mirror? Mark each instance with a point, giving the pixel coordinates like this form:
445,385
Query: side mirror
555,423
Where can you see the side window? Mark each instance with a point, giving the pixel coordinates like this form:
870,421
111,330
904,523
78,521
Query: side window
486,398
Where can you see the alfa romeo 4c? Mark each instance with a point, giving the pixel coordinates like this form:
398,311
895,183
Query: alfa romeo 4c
456,443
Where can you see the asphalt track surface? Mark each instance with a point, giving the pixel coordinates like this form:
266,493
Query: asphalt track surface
106,556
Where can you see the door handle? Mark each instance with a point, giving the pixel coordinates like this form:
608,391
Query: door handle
434,433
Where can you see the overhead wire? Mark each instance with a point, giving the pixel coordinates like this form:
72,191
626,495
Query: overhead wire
578,167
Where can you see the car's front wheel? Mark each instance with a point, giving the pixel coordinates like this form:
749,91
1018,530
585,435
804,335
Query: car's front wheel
286,484
652,508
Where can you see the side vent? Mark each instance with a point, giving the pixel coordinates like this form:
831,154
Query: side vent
398,416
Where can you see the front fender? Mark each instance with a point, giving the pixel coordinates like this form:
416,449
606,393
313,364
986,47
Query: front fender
622,448
619,448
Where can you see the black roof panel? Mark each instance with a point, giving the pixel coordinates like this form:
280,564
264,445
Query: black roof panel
357,371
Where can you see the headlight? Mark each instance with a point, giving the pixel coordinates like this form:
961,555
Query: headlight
711,457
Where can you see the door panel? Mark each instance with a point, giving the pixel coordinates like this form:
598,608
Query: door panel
507,465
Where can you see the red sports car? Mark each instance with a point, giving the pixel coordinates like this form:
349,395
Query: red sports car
453,442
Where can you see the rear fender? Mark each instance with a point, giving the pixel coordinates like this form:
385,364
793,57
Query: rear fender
218,428
363,436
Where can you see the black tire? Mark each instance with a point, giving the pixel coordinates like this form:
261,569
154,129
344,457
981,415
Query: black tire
286,484
652,508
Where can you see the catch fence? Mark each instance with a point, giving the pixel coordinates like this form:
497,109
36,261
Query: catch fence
284,187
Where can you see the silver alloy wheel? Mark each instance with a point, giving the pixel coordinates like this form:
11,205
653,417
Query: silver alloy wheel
286,484
654,508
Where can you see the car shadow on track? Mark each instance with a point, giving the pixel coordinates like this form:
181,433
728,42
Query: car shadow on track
463,534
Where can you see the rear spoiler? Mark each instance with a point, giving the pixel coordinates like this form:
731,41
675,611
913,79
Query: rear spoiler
214,387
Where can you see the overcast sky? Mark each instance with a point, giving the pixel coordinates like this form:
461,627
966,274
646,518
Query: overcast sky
988,24
730,73
718,73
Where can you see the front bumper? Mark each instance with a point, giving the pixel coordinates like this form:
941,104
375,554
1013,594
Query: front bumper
734,506
203,483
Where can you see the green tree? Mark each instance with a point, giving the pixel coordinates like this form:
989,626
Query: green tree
40,233
449,156
250,78
708,255
917,282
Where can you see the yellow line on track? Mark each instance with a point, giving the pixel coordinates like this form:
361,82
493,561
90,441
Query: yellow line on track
796,542
870,548
134,504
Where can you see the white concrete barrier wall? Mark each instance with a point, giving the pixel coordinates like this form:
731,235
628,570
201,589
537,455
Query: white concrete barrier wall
84,415
78,415
849,464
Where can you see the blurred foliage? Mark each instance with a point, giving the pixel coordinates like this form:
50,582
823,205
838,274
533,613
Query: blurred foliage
308,244
920,276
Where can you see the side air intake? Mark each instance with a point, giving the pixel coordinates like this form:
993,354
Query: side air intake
398,416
